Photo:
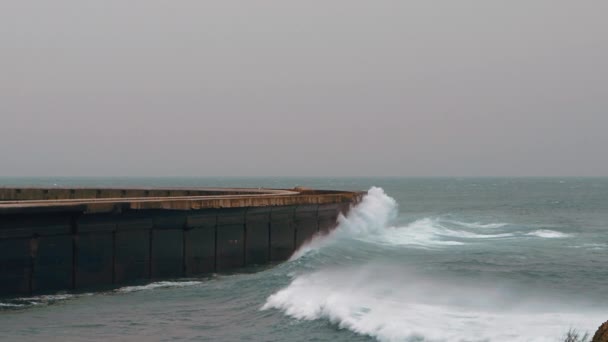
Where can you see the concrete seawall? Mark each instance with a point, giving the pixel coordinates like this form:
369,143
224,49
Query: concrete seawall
71,239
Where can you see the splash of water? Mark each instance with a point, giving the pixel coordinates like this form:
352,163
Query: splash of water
392,302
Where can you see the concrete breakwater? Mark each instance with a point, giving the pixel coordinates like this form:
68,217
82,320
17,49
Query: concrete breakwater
55,239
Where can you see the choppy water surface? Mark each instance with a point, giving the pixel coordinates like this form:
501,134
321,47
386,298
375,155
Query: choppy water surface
417,260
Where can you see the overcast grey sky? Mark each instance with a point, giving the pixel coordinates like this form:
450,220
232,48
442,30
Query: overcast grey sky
306,88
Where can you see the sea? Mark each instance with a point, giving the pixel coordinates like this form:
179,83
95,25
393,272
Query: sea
419,259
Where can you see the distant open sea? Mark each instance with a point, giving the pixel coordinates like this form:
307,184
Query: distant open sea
420,259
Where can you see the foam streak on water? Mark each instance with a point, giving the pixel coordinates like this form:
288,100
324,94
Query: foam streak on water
548,234
157,285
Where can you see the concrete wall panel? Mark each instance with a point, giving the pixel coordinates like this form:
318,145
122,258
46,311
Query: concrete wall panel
199,244
167,253
94,259
15,266
328,217
134,221
344,208
97,223
257,239
16,226
170,219
306,223
282,233
132,255
230,238
231,216
230,246
201,218
53,263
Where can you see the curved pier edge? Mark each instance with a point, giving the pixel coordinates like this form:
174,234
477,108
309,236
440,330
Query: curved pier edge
54,239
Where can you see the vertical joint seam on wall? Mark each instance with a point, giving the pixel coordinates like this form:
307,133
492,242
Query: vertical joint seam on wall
150,237
184,237
245,237
215,243
114,257
74,233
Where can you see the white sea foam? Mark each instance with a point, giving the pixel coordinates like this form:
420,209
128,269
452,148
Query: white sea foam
48,298
372,221
393,304
429,233
24,302
548,234
424,233
376,211
591,246
372,216
478,225
157,285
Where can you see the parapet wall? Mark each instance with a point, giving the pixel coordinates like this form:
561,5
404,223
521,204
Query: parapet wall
58,239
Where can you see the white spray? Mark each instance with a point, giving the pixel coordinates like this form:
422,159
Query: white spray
391,302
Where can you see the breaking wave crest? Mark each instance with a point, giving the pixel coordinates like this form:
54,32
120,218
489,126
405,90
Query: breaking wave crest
373,221
378,295
393,306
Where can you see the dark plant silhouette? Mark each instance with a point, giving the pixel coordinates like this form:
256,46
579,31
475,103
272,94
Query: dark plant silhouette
574,335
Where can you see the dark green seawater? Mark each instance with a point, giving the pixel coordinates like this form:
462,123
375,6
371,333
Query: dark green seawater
450,259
